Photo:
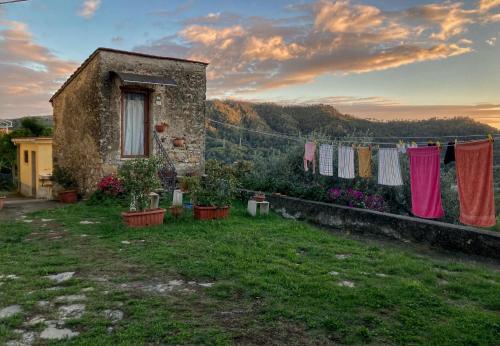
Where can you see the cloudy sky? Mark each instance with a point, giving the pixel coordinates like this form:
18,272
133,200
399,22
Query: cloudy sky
381,59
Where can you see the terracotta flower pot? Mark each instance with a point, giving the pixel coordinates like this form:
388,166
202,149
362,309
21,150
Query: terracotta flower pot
2,202
143,218
179,142
176,211
68,196
259,197
210,213
161,127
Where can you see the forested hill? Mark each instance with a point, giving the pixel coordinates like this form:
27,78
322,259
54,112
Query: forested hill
327,120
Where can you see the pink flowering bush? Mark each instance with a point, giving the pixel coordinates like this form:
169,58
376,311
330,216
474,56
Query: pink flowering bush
111,185
357,199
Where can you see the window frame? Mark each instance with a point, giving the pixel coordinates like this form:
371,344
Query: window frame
147,130
26,156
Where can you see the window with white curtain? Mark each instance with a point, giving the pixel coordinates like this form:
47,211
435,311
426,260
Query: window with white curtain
134,120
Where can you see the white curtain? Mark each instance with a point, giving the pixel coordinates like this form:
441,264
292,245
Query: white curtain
133,124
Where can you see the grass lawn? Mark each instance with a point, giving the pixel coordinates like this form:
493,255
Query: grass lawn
244,280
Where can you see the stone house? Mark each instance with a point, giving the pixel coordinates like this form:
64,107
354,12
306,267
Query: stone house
107,112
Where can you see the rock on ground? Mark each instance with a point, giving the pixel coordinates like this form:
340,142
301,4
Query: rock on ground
71,298
27,338
61,277
113,315
346,283
10,311
52,333
71,311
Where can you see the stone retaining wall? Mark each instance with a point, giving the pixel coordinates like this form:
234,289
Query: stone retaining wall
403,228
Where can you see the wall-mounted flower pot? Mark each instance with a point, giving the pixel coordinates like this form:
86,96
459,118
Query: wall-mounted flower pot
161,127
210,213
68,196
179,142
143,218
2,202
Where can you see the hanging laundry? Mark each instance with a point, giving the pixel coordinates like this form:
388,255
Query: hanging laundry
425,182
310,156
449,156
401,147
326,159
474,165
346,162
365,162
389,172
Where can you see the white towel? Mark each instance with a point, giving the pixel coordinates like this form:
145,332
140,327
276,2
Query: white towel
326,159
346,162
389,171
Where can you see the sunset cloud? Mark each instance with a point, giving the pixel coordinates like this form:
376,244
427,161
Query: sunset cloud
327,37
342,16
89,8
486,5
30,72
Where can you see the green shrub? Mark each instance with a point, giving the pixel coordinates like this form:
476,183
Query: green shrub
139,178
63,177
217,188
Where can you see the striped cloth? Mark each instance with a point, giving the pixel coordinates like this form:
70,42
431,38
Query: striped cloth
326,159
389,171
346,162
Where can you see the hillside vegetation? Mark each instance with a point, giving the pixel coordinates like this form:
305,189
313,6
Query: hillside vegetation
322,121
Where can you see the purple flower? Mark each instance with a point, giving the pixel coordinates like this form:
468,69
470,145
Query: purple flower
334,193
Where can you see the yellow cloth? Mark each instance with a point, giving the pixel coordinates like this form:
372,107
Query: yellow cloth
365,162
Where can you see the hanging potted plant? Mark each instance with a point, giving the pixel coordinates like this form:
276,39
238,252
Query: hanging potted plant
213,195
63,177
161,127
140,178
179,142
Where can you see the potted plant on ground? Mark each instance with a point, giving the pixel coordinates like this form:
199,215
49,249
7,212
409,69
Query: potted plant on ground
213,195
63,177
140,178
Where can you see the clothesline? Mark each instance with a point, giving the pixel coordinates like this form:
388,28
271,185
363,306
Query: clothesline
352,139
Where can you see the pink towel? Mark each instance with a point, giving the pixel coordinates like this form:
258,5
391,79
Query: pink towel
425,182
310,156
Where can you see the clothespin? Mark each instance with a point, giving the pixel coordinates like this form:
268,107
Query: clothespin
438,144
490,138
413,143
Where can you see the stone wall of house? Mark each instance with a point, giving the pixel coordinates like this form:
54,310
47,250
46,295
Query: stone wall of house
182,107
77,127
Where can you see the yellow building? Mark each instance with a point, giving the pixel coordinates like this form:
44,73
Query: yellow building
34,162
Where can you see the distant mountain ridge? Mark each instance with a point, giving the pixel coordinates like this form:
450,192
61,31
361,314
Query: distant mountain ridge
295,119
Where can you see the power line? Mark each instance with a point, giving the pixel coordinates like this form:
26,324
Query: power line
351,139
11,1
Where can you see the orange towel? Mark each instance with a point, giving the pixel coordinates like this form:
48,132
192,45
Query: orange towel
364,162
474,163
